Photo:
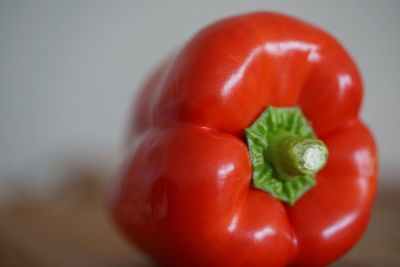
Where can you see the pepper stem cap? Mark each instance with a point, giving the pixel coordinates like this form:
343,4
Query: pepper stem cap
285,153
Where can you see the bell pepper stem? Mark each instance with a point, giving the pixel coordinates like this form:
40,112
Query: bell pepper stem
285,153
293,156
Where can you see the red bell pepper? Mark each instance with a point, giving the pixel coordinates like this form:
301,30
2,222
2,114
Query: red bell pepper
224,159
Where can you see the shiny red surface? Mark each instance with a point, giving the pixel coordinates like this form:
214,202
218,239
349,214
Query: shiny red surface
184,194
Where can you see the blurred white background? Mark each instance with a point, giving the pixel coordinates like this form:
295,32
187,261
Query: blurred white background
69,71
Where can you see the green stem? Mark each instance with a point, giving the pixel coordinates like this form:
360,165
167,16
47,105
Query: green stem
293,156
285,153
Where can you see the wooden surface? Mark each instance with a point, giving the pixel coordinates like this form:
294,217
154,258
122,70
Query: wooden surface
71,228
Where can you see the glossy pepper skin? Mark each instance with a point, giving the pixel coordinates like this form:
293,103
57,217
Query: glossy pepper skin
185,194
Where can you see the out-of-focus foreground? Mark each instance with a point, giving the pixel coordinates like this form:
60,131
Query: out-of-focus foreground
71,227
